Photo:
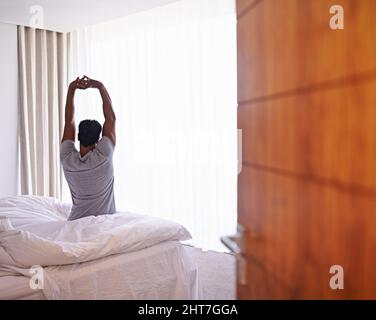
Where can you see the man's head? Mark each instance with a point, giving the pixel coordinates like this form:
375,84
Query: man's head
88,132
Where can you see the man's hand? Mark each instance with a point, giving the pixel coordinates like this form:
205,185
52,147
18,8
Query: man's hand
91,83
79,83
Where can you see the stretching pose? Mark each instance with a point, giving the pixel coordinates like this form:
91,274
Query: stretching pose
89,172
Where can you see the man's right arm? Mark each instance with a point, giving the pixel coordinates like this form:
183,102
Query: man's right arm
70,126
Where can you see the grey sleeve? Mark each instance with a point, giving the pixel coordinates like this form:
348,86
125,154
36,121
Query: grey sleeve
105,147
67,147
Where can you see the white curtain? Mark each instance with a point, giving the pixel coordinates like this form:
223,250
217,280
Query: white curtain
171,74
42,60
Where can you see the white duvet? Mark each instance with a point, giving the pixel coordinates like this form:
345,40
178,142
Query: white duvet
35,231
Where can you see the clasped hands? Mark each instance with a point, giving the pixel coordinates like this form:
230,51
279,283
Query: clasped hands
85,83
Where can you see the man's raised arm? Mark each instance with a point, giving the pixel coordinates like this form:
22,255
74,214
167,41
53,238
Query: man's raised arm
108,111
70,126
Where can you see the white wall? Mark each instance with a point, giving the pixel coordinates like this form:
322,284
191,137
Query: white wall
68,15
8,109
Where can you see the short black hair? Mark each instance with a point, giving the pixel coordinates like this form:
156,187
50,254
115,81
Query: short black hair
88,132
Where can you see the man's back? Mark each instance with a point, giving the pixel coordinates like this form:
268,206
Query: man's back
90,178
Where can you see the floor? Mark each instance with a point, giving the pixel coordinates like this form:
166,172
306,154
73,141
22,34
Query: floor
217,274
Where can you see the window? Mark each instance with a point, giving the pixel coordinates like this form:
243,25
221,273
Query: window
171,74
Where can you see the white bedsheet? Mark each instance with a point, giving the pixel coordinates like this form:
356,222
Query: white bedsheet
164,271
16,287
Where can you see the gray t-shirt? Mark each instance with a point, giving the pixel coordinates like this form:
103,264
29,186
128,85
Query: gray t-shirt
90,178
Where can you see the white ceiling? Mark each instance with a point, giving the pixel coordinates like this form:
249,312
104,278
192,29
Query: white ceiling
67,15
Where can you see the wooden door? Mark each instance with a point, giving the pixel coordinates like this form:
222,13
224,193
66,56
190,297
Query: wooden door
307,110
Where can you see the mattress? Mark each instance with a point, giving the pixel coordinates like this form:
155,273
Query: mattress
163,271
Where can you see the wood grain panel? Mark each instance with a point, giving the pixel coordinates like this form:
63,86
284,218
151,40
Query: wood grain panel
262,284
285,45
298,229
244,6
327,134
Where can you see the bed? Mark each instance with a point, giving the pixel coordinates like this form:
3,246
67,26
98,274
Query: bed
121,256
160,272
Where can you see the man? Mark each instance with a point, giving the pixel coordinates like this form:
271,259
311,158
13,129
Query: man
89,172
